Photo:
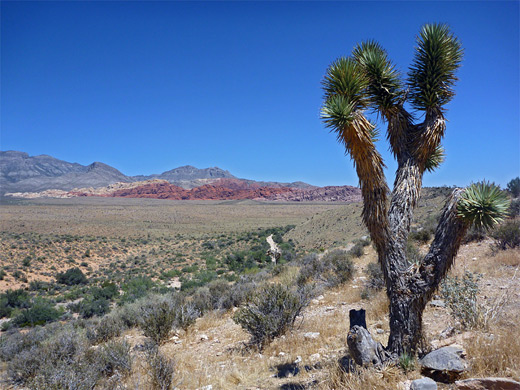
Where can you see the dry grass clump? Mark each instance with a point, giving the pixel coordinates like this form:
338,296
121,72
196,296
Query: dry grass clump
384,378
495,354
509,257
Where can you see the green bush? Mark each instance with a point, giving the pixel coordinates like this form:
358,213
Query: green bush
514,187
270,312
13,299
71,277
40,313
514,208
507,235
136,288
108,290
94,307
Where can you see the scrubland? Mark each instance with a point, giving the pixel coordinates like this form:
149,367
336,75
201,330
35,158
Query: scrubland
117,320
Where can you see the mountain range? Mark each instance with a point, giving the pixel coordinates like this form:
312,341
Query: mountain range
36,176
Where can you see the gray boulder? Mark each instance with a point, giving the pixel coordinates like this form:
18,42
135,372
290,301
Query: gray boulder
488,384
423,384
444,365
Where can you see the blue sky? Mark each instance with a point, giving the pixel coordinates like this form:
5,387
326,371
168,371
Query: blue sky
149,86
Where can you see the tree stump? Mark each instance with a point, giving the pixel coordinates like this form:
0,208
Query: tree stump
363,349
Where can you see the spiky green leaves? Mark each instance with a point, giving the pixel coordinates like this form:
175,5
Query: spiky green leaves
432,75
435,159
483,204
344,85
384,84
344,78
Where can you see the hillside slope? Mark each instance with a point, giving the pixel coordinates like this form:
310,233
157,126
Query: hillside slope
342,225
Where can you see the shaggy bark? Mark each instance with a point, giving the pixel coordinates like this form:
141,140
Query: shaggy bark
411,290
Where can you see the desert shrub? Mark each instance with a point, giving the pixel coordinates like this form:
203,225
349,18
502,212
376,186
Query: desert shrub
93,307
514,208
160,314
239,261
17,298
13,299
474,234
514,187
5,310
108,290
186,315
71,277
115,356
357,250
237,293
460,295
413,254
53,358
202,299
507,235
374,282
270,312
333,269
421,235
128,314
407,362
40,313
105,329
161,370
136,288
40,285
157,320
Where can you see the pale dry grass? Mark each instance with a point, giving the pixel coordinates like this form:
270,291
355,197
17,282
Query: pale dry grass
510,258
495,354
385,378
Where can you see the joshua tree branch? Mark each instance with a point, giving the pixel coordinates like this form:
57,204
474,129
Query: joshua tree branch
443,250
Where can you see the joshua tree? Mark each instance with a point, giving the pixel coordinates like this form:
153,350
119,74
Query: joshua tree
368,80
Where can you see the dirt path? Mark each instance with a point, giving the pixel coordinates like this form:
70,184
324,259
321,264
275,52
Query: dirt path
274,252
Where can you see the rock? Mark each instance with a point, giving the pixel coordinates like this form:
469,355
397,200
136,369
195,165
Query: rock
438,303
404,385
444,364
488,384
423,384
311,335
203,337
287,370
448,332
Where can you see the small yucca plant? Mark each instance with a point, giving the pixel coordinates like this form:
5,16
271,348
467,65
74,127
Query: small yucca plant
483,205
